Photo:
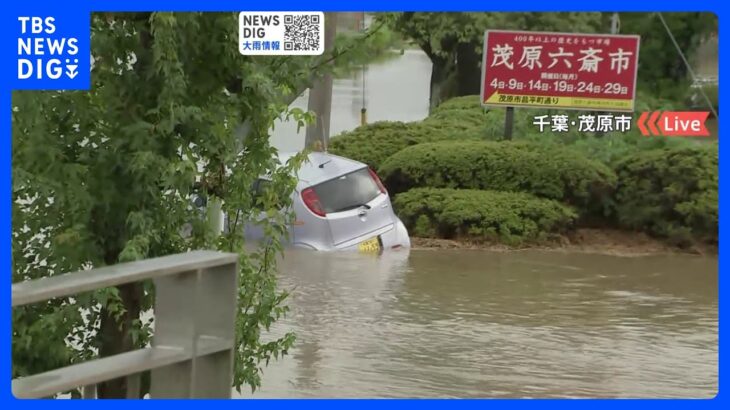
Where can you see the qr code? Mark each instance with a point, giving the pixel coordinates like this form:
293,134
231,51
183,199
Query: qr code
301,32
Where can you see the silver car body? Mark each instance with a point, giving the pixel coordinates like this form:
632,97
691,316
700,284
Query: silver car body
356,209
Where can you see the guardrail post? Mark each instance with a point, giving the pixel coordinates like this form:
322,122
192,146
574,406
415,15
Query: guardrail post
88,392
215,320
134,385
174,328
193,310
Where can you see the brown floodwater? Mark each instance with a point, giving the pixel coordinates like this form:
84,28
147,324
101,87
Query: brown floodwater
467,323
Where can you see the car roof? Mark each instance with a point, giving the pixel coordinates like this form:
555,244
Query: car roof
322,166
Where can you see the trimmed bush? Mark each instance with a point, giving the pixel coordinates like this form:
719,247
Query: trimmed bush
672,193
468,111
548,171
467,102
460,119
607,147
373,143
509,217
615,146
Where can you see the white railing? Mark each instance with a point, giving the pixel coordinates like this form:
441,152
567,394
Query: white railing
191,355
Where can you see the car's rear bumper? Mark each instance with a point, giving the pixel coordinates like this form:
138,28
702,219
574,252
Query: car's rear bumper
397,237
394,236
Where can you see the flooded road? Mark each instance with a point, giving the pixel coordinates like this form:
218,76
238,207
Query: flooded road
392,90
497,324
452,323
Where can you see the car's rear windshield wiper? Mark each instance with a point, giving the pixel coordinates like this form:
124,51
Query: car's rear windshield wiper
355,206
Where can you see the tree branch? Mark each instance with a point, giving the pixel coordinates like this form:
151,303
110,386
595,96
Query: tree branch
338,55
244,128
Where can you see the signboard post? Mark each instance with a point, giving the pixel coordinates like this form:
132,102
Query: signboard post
595,72
509,122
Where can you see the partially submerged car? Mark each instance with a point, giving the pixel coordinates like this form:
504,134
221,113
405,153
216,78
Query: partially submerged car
340,204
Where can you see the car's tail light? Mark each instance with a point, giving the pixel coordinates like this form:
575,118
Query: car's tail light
377,181
311,200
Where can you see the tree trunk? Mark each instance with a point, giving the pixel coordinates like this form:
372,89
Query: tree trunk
439,75
116,338
320,95
468,72
454,79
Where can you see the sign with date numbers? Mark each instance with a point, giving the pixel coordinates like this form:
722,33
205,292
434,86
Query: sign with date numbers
595,72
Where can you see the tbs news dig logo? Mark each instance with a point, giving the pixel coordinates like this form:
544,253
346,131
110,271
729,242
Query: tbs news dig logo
39,67
52,52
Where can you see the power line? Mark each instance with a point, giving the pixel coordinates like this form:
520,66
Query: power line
686,63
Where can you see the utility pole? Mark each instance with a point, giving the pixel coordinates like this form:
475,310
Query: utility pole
320,95
363,109
615,27
615,23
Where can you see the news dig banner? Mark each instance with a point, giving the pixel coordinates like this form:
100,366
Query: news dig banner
594,72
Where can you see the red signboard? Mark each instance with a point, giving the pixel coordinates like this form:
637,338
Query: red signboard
594,72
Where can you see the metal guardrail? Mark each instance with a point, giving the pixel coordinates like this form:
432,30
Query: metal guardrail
701,81
192,350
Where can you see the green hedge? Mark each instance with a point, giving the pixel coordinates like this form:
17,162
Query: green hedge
672,193
607,147
373,143
645,101
460,119
467,102
610,147
468,111
547,171
508,217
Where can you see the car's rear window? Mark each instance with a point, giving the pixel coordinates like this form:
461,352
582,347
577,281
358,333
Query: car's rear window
348,191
